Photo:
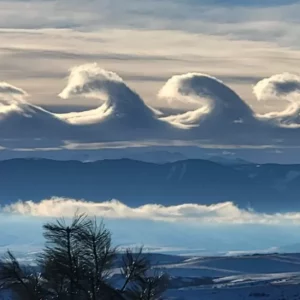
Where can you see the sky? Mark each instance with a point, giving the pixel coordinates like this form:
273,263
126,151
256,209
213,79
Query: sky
146,42
90,74
57,52
187,229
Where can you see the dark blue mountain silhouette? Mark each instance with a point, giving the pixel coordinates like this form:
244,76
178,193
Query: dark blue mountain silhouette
267,187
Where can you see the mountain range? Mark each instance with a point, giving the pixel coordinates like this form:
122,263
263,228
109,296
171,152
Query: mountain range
263,187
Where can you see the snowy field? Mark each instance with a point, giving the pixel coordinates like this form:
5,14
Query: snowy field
270,276
203,262
231,276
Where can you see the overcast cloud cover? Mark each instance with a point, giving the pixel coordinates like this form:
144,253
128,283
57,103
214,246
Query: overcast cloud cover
229,66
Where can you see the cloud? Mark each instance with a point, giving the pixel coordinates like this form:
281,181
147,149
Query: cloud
237,42
220,116
21,120
281,87
266,21
9,90
214,98
124,115
123,109
226,212
11,99
89,80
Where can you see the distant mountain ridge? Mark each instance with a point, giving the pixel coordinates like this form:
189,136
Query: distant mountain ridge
266,187
152,154
156,156
228,161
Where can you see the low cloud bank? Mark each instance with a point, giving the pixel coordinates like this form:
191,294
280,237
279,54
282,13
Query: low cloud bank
226,212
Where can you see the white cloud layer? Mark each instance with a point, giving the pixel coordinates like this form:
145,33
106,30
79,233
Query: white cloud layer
227,212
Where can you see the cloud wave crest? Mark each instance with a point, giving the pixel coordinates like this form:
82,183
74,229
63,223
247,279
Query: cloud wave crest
221,117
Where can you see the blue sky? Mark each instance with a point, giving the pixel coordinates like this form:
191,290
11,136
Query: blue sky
24,236
146,43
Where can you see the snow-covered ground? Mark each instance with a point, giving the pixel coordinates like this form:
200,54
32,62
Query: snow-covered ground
269,276
241,277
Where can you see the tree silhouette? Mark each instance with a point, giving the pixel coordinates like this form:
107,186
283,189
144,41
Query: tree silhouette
77,264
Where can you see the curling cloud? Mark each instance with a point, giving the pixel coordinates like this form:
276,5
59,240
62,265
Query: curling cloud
226,212
281,87
11,99
9,90
21,120
215,100
221,117
91,81
120,101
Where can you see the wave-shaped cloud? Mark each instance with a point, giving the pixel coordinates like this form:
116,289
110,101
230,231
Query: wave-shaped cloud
281,87
123,109
226,212
90,80
9,90
221,117
10,99
21,120
214,98
221,114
